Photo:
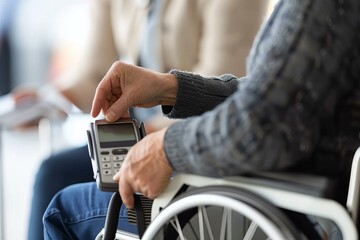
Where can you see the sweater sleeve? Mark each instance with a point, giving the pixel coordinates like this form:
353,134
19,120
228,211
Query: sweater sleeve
197,94
298,71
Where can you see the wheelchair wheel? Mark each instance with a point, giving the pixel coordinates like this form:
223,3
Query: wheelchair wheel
220,212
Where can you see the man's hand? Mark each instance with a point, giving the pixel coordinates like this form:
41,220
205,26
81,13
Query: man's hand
145,170
127,85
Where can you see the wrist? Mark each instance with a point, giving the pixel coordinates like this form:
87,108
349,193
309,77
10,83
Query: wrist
161,144
170,89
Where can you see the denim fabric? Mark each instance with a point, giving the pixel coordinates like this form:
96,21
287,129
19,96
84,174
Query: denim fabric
79,212
55,173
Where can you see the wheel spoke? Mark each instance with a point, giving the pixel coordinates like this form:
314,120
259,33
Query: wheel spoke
176,225
201,223
251,231
224,223
207,222
229,224
193,231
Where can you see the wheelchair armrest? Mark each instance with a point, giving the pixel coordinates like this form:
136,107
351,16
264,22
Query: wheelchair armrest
318,186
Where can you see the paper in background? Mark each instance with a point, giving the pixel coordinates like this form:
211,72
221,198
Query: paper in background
49,104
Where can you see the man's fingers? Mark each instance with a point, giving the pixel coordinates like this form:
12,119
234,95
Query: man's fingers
98,102
126,192
117,110
116,177
126,114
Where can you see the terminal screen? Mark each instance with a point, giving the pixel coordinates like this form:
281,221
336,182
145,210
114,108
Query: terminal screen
116,135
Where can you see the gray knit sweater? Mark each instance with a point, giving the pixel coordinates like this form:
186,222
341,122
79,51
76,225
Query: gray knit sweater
298,103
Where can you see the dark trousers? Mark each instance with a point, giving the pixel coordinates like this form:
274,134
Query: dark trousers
55,173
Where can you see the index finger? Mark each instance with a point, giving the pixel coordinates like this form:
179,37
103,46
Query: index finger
102,91
98,101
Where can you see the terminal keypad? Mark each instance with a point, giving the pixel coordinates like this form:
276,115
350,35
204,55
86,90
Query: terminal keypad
112,160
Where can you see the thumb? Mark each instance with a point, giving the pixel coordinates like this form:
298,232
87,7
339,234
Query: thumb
117,110
127,193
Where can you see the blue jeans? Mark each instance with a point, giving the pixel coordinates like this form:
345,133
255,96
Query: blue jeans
79,212
55,173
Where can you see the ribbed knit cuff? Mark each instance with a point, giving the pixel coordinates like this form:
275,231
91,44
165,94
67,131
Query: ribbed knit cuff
190,95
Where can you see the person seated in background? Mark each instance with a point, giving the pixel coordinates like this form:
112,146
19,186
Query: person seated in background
296,109
7,9
209,37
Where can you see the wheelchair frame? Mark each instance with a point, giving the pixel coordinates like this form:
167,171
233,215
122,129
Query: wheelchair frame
282,191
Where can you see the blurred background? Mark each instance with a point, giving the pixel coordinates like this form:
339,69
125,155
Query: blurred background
41,38
39,41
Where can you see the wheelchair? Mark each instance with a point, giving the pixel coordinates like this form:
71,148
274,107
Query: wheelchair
275,206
